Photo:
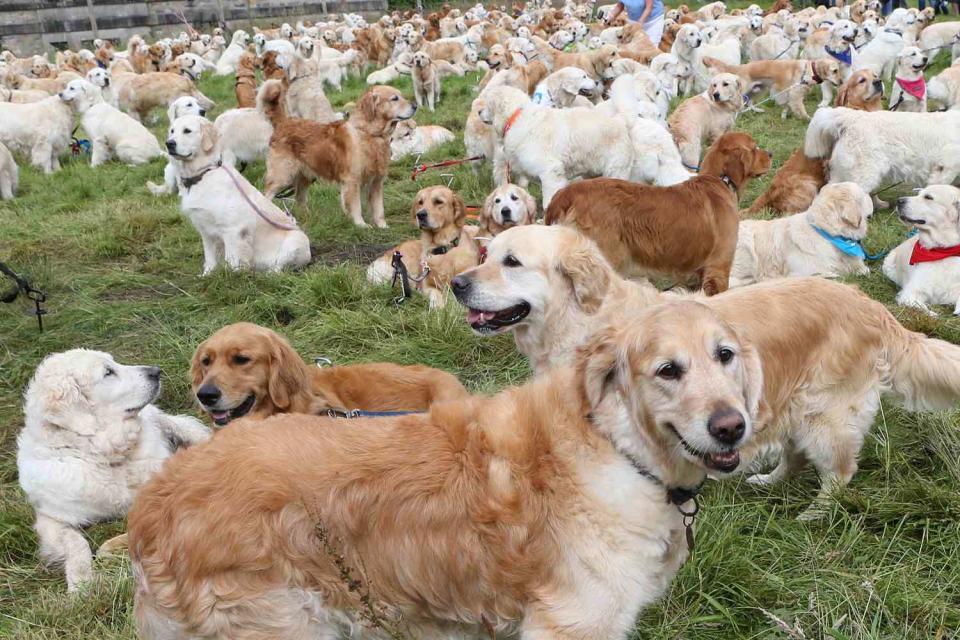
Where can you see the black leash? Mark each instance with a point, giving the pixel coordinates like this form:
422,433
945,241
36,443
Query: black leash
23,286
400,273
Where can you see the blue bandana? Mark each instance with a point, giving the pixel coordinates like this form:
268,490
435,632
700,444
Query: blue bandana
848,246
842,56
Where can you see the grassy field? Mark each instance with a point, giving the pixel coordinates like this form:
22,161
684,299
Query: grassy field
121,270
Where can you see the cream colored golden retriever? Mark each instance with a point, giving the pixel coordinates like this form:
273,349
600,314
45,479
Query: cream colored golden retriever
828,351
550,510
705,117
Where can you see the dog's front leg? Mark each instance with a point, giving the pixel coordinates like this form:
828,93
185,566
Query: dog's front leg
826,89
100,153
59,542
375,202
210,254
350,201
551,182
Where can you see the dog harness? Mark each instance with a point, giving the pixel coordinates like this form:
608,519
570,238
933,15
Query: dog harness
935,254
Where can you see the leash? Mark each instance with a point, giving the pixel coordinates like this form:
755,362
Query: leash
265,217
772,96
78,146
789,46
23,286
422,168
401,274
351,414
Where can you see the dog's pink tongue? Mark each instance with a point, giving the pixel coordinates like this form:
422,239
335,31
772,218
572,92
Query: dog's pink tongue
475,316
219,415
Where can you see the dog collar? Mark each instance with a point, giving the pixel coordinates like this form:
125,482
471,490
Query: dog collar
916,88
511,121
842,56
935,254
727,180
813,73
444,248
195,179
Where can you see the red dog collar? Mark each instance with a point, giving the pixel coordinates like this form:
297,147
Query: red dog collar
511,121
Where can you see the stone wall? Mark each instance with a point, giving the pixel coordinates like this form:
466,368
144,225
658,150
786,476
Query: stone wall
36,26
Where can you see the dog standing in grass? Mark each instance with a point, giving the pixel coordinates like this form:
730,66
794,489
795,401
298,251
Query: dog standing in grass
426,80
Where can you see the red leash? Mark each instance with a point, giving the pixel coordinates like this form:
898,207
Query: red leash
421,168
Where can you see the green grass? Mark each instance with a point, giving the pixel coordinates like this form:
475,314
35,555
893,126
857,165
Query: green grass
121,269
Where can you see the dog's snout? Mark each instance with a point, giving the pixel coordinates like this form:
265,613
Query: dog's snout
171,145
505,213
203,112
422,215
716,96
460,285
208,395
726,425
152,372
878,83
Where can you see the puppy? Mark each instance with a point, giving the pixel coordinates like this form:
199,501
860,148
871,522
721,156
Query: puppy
236,223
794,186
9,174
824,240
637,228
869,148
706,117
409,138
112,132
247,370
426,81
354,153
91,439
927,267
909,91
507,206
246,85
862,91
627,414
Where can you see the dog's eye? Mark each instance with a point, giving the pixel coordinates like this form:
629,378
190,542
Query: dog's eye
109,372
725,355
187,131
928,197
437,201
514,197
497,200
510,261
395,98
669,371
205,361
241,359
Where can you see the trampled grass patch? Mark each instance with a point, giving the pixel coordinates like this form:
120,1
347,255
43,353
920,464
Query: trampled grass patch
121,270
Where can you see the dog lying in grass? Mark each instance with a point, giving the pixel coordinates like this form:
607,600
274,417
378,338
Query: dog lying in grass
551,508
248,370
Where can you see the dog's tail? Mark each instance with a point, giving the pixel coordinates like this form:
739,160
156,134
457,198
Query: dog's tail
561,207
719,65
924,373
270,101
824,129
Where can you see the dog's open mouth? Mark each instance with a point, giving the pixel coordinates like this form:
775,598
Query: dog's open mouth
586,92
221,418
490,321
911,220
723,461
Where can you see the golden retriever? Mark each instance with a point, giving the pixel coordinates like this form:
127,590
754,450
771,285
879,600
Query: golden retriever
247,370
139,94
552,509
829,352
507,206
354,153
687,230
705,117
863,90
246,85
794,185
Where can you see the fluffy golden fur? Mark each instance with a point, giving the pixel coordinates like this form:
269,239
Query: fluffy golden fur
353,153
863,90
687,230
514,512
245,361
794,185
507,206
705,117
139,94
246,85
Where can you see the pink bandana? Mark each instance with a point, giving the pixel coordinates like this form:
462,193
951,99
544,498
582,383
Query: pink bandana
917,88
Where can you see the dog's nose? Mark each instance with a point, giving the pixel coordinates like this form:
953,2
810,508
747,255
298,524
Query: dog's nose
460,285
726,425
716,96
203,112
505,213
770,154
877,83
208,395
152,372
171,146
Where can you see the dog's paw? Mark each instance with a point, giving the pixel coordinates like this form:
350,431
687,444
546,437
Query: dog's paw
760,479
812,513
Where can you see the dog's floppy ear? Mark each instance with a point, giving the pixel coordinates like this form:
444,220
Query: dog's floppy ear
486,213
288,374
459,210
530,204
588,273
843,94
196,372
751,377
368,105
208,136
66,406
599,365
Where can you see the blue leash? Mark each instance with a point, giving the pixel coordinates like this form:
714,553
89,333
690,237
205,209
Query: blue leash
849,246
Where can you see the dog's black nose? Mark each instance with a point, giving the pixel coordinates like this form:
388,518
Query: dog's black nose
208,395
505,213
878,83
171,146
460,285
152,372
716,96
203,112
422,215
726,425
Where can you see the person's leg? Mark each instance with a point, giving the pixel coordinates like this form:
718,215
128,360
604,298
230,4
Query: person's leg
653,27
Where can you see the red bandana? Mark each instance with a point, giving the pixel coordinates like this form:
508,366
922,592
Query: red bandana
916,88
922,254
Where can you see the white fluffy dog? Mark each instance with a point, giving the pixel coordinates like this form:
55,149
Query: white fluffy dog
409,138
230,58
9,174
872,147
909,89
112,132
566,87
944,87
880,54
824,240
91,439
402,66
556,145
182,106
236,223
39,129
927,266
245,133
100,77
